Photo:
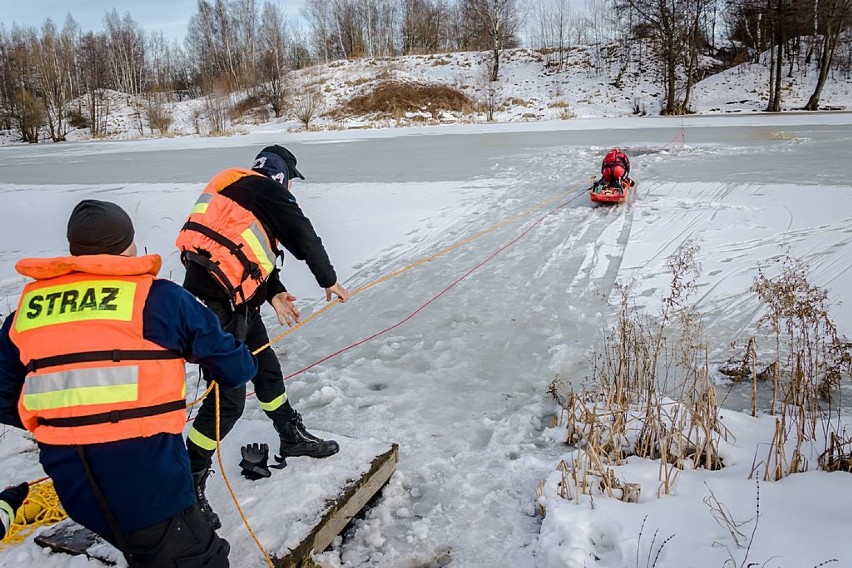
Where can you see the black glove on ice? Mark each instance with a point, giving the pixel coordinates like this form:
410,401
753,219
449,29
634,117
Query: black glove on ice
254,461
15,495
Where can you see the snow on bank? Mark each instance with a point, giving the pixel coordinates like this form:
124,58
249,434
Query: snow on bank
729,517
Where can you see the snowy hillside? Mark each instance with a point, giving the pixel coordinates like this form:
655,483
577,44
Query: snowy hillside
593,83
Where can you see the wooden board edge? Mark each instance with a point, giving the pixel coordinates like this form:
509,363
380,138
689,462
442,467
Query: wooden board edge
342,509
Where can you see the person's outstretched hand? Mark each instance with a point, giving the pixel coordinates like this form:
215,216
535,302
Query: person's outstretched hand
338,290
285,308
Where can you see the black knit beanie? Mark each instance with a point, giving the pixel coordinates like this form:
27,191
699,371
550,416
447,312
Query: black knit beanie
99,227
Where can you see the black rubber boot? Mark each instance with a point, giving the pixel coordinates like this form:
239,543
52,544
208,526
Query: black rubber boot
296,441
199,478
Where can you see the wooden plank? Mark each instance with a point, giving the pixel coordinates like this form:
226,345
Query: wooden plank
341,510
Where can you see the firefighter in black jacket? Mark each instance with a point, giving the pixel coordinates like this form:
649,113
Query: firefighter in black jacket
229,246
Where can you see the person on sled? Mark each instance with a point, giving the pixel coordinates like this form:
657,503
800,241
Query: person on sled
615,170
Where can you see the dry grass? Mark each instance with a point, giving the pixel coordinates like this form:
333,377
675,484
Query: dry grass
391,99
651,396
249,108
810,363
306,106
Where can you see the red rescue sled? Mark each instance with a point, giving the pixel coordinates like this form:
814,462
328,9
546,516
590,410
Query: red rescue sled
612,194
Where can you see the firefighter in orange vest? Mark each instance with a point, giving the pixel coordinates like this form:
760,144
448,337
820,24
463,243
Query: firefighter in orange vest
230,246
92,363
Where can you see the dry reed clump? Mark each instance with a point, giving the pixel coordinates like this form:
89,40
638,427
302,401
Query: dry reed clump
651,396
811,361
393,99
251,108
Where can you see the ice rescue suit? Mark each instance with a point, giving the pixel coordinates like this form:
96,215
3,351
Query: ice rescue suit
615,166
92,363
231,268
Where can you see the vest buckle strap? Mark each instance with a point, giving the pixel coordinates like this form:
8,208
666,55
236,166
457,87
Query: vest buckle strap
112,416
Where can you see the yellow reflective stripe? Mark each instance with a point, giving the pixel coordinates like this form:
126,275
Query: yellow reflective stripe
201,440
81,396
274,404
100,385
77,301
201,204
82,378
257,242
7,508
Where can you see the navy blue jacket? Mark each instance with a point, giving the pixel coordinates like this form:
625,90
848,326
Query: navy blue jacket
145,480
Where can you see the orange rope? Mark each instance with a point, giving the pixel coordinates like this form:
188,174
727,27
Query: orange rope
429,258
215,386
231,489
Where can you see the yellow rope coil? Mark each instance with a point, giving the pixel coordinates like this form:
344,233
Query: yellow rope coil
41,508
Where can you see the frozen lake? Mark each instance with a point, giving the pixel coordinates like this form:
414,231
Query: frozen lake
517,300
459,155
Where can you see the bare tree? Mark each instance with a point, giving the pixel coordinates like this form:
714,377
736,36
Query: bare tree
552,25
834,16
125,52
298,50
212,44
674,27
273,56
318,15
246,23
420,29
53,56
307,105
93,72
492,25
776,12
6,81
161,63
24,110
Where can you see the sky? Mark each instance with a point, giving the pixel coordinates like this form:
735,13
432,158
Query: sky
166,16
169,17
513,295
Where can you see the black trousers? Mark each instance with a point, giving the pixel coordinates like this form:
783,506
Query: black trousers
246,325
184,541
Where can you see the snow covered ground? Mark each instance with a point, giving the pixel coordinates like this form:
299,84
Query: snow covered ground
461,386
593,83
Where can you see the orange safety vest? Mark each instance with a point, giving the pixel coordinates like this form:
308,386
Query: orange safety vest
91,375
228,240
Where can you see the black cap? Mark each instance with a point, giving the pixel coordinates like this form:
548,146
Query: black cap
99,227
277,162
